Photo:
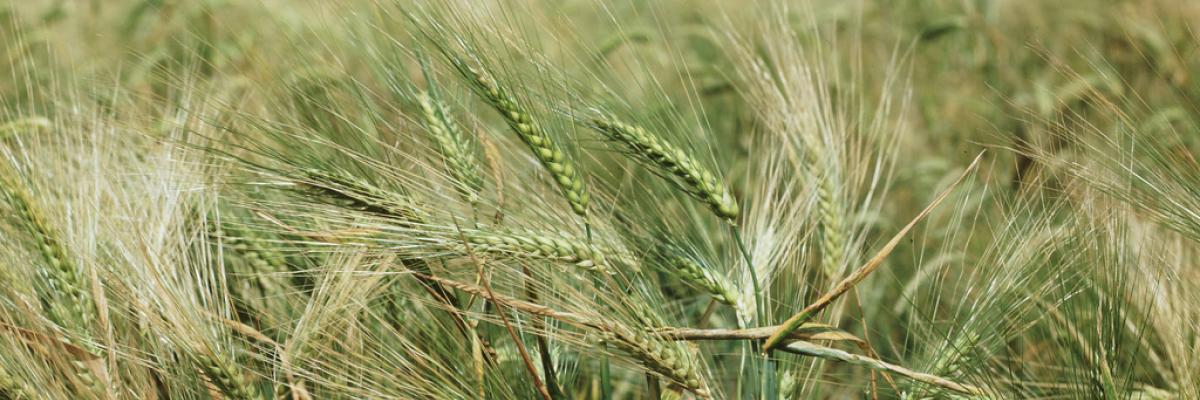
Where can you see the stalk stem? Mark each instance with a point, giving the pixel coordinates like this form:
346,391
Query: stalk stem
767,372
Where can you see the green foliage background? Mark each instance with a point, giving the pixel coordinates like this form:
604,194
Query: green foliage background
326,199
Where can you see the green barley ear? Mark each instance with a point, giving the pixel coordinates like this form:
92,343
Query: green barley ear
11,388
833,226
67,300
702,277
665,358
548,153
228,378
540,246
456,149
669,160
346,190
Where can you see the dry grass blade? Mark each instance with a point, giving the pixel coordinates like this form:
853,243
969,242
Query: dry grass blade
799,342
487,289
808,331
815,350
862,273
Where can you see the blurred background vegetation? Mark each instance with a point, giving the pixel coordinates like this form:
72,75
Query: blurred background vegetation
1062,268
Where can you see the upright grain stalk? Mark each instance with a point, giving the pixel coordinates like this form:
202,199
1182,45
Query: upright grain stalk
833,225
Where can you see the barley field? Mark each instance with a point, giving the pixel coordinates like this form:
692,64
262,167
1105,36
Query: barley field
599,199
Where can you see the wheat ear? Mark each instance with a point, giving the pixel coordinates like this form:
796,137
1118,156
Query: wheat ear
352,192
692,272
227,378
69,304
671,161
539,246
548,153
833,227
670,360
11,388
345,190
457,151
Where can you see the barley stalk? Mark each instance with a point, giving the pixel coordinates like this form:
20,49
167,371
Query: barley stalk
456,150
352,192
67,301
857,276
688,174
257,273
535,136
492,156
259,258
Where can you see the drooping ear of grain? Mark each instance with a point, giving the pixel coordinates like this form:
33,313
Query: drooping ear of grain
668,359
549,153
687,173
539,246
692,272
349,191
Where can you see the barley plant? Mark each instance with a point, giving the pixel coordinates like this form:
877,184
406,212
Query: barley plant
599,199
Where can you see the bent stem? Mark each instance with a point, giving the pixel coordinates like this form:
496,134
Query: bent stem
846,284
814,350
605,367
537,382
